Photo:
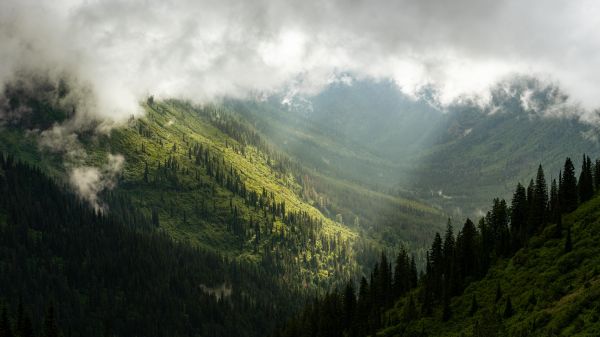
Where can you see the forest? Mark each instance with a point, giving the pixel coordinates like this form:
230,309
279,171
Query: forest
453,263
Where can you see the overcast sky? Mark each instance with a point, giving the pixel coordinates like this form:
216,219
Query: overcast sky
202,49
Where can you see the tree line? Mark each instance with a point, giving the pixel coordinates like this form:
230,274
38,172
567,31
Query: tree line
66,270
452,262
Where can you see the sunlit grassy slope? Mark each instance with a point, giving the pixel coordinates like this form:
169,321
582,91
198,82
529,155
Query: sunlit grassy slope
349,224
553,292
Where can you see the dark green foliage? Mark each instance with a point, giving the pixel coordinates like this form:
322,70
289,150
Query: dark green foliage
586,181
498,293
518,217
469,256
106,277
568,241
597,175
474,306
50,328
5,325
554,211
568,188
508,308
409,312
539,204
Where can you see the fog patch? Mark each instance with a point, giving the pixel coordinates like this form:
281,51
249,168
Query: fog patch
220,292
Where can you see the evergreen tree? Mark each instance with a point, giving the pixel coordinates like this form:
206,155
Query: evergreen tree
597,175
402,281
449,256
568,188
586,183
555,215
467,252
413,272
539,203
518,217
349,303
436,257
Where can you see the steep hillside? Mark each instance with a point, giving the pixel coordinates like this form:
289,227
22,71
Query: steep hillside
552,292
530,269
371,133
66,270
208,178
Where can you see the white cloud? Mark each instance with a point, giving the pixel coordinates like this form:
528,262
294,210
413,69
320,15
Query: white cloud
202,49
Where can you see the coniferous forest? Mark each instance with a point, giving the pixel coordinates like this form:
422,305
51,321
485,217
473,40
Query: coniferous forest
299,168
453,262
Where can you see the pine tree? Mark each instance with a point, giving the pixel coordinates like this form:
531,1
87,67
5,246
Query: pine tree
402,272
518,217
349,303
539,203
437,265
568,188
448,251
597,175
586,184
555,215
413,278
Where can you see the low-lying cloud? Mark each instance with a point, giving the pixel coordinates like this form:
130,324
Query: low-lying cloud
89,181
204,49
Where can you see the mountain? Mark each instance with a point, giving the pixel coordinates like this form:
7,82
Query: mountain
371,133
202,179
69,270
508,276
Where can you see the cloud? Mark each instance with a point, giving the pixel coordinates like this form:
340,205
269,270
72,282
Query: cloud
89,181
204,49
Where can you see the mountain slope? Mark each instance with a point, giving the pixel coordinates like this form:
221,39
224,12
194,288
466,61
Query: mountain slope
100,275
552,292
371,133
530,269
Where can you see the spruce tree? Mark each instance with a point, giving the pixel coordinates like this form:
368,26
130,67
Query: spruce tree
468,258
448,251
518,217
568,188
349,303
437,265
597,175
539,203
586,184
555,215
